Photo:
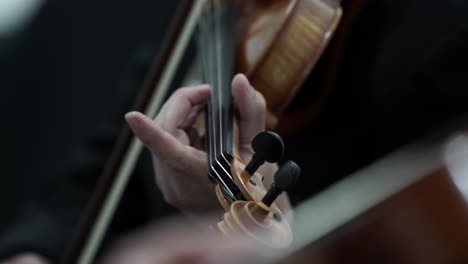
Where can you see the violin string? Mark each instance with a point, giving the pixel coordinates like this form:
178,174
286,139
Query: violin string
207,45
220,69
209,71
202,48
228,48
219,78
215,47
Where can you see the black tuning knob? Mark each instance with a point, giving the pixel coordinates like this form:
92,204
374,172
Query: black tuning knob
285,178
268,146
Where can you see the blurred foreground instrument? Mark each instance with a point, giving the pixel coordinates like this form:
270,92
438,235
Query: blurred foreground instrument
410,207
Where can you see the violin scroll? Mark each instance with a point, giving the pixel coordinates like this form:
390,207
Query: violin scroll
256,219
258,216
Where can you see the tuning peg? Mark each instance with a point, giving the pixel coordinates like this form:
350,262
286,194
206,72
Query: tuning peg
286,176
268,146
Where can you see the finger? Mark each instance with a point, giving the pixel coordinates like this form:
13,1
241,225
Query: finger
195,139
251,106
182,107
192,117
162,144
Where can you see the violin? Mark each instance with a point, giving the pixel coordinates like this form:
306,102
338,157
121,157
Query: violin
387,213
286,42
277,45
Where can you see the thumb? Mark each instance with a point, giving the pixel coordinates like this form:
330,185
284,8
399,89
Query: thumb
251,107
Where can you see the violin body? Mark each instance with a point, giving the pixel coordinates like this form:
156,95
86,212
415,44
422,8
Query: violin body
280,43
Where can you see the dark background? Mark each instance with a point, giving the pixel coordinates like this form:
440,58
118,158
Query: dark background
75,68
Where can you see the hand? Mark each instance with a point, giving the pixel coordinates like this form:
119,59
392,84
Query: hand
26,258
180,162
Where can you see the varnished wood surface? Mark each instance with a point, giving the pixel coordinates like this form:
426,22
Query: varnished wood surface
281,44
325,75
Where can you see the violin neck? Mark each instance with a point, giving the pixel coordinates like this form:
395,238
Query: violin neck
217,36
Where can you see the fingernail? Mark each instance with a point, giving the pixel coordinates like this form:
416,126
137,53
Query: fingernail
129,114
132,122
